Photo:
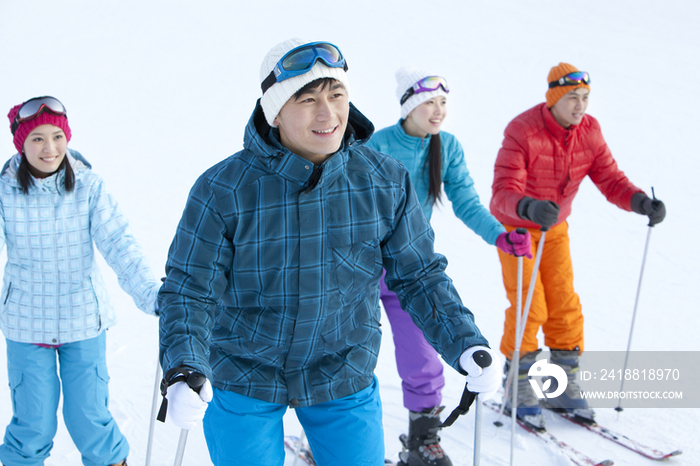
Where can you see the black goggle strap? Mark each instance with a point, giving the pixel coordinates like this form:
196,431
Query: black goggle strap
564,81
407,95
268,82
178,374
272,79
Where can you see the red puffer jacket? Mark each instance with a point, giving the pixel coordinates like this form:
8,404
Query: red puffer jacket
541,159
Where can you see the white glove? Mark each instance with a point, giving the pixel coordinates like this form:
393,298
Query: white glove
482,380
185,406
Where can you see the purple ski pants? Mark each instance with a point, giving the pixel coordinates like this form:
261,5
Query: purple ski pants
418,363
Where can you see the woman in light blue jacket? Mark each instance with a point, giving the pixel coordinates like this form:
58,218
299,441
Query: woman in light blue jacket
53,208
433,158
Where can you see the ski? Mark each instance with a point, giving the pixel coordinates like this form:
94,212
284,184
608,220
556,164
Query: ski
574,455
635,446
305,455
291,442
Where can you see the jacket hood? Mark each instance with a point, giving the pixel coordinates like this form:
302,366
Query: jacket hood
77,162
257,133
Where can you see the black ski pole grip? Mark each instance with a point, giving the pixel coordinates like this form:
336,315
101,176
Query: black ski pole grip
521,230
653,196
482,358
194,380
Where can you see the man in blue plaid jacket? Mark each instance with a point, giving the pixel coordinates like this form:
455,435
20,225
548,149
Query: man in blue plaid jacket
273,277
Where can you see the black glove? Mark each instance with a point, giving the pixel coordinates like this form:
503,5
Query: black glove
543,213
653,208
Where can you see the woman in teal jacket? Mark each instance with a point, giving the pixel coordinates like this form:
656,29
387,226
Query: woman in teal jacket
55,309
433,158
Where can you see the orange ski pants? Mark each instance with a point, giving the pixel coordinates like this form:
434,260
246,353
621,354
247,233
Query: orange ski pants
555,305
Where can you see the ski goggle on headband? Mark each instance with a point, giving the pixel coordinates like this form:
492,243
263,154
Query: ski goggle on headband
34,107
572,79
431,83
301,59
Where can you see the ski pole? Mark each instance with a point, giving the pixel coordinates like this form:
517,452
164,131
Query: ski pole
297,450
477,432
519,333
180,452
518,314
195,381
533,280
483,360
515,364
634,315
154,408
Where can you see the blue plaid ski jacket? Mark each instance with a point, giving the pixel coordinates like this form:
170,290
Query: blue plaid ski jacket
272,286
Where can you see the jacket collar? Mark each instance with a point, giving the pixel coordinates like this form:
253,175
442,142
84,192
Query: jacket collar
558,131
77,162
407,140
264,145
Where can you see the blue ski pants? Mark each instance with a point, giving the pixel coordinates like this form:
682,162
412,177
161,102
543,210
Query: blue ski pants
35,389
243,431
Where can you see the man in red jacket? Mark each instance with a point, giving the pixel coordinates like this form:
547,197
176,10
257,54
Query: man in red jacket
546,153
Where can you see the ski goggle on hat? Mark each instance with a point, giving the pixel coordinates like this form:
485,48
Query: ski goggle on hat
301,59
427,84
572,79
34,107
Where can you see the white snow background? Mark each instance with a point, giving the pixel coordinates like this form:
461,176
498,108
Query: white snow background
158,91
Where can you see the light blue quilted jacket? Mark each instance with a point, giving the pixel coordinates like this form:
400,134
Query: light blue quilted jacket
52,291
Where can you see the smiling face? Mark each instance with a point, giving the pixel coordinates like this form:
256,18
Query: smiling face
570,109
426,118
312,124
45,148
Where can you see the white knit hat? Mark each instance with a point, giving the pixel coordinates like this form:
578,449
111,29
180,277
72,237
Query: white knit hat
279,93
406,77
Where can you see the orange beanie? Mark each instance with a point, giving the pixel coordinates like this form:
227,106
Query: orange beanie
556,93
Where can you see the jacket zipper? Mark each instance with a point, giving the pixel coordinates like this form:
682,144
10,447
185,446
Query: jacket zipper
97,304
7,296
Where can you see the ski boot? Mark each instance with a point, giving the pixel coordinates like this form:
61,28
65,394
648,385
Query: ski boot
528,410
571,400
421,447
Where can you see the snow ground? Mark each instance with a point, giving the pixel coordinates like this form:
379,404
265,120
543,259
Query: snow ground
159,91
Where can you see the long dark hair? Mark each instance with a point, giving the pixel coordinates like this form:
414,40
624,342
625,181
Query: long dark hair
24,176
434,163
